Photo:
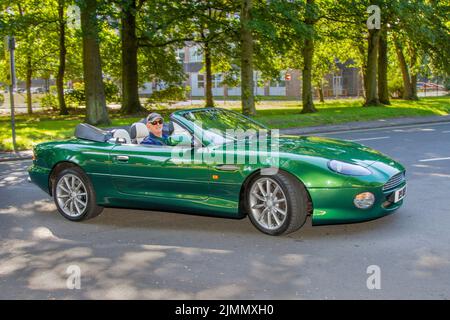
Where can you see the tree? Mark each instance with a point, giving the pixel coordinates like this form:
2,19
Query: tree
308,54
130,95
383,90
62,57
96,112
372,69
246,41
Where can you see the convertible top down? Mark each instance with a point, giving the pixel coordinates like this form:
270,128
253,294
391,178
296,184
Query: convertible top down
218,162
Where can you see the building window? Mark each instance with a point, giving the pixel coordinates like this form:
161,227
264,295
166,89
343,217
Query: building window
200,81
278,84
195,54
217,81
180,55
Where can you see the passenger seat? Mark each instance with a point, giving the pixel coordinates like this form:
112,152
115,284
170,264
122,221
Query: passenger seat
138,132
123,134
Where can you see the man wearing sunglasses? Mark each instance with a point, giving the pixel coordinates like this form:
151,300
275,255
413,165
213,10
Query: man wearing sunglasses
155,127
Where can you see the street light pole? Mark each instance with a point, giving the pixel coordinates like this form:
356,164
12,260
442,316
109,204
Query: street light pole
12,83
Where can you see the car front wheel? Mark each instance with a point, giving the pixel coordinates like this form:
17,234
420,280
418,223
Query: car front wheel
74,195
277,204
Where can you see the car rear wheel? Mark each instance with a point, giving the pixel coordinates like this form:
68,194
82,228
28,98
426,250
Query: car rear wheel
74,195
277,204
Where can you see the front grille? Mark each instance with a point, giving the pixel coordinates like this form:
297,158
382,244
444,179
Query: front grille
393,182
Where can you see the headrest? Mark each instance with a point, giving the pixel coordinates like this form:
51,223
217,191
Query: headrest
122,133
138,130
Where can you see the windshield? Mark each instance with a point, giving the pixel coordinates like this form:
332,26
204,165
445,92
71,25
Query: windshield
220,126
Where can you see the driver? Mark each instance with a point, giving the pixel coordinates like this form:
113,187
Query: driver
155,127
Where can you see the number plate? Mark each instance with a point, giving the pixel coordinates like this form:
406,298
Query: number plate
399,194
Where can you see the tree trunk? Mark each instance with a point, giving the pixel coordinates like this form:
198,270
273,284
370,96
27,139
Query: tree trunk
62,58
414,74
96,112
414,86
130,86
371,73
308,53
247,83
29,68
208,88
362,52
407,87
307,95
28,84
321,98
383,90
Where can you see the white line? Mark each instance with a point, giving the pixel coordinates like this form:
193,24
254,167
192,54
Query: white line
367,139
445,131
434,159
387,128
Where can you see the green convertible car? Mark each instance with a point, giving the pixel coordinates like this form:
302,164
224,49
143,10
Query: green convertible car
218,162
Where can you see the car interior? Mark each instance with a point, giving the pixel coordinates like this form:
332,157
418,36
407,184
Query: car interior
133,134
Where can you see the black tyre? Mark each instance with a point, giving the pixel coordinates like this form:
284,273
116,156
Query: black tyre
74,195
277,204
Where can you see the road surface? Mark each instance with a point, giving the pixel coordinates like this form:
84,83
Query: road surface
136,254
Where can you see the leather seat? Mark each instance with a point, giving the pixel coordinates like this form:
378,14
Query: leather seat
122,134
138,132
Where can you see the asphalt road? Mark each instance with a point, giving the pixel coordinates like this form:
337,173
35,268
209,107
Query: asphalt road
133,254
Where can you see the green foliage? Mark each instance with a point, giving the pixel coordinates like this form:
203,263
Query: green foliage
170,95
2,99
395,86
77,96
49,101
279,28
111,91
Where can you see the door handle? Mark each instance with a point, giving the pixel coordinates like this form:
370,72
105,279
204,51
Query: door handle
122,158
227,167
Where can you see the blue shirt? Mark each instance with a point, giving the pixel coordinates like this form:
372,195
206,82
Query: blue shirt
154,140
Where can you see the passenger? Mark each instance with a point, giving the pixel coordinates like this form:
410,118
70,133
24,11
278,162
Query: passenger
155,127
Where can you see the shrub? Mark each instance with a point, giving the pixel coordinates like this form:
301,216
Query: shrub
111,92
2,99
49,101
395,87
170,95
77,96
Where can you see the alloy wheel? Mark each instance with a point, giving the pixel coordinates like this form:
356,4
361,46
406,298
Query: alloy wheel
71,195
268,203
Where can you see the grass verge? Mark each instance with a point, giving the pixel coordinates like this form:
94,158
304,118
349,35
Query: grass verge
276,114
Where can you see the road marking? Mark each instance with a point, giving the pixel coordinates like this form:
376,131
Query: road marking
434,159
446,131
387,128
367,139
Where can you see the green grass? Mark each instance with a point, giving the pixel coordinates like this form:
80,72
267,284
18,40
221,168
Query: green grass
276,114
341,111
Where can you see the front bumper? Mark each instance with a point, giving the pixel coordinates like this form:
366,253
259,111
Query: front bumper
40,177
334,206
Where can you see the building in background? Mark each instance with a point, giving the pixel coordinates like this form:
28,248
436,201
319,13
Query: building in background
346,82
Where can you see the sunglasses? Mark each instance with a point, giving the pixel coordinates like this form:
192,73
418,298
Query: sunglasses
157,122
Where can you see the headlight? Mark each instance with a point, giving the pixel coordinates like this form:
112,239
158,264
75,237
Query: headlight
364,200
348,168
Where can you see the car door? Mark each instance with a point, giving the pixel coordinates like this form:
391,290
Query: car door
159,172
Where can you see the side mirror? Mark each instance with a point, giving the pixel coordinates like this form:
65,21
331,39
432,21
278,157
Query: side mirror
179,140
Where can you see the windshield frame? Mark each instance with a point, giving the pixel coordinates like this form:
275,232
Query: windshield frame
179,116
